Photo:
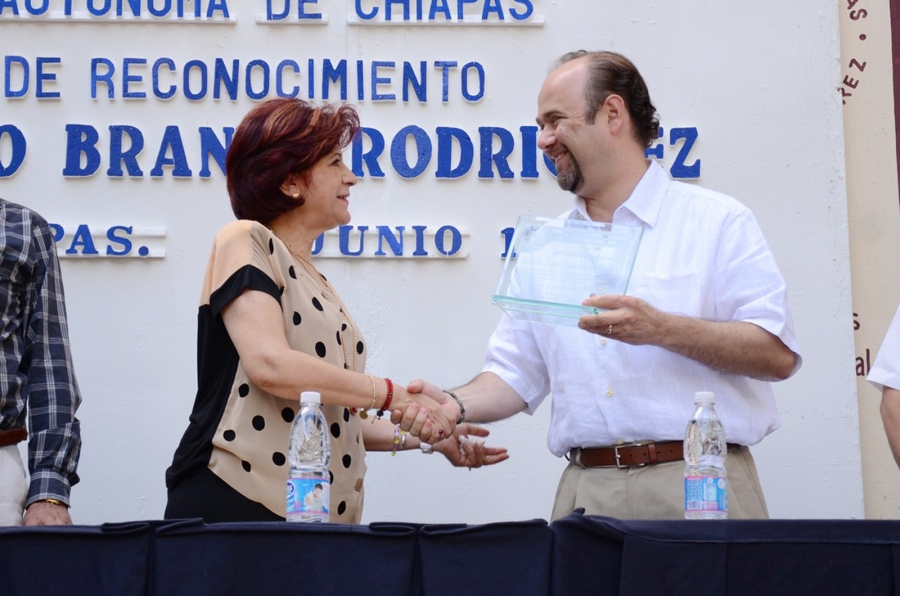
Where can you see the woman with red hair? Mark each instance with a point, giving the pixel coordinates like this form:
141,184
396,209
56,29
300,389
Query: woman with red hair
271,325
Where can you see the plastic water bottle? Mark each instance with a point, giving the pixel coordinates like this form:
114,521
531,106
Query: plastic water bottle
705,450
309,452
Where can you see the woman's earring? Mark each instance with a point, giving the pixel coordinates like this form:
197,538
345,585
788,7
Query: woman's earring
295,195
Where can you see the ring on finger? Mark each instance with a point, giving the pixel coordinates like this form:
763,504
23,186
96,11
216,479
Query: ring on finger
609,330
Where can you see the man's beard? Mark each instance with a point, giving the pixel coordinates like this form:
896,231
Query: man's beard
570,179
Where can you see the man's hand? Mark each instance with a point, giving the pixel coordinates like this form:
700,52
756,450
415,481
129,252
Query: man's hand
733,347
428,419
627,319
42,513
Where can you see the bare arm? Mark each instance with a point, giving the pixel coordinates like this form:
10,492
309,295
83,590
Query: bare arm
254,323
733,347
890,416
487,397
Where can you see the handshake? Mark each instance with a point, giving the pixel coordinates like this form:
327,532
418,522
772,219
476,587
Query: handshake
437,418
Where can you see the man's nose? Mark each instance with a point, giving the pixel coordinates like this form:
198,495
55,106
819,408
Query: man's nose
546,139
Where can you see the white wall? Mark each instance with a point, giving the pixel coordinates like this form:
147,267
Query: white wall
758,81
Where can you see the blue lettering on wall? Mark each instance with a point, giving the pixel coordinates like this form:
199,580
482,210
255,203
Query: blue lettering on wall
262,79
479,71
123,241
117,156
105,77
529,151
507,234
116,241
263,67
680,169
525,13
370,157
285,6
19,147
82,239
171,140
389,242
419,84
446,137
378,80
412,152
157,91
344,233
201,69
500,157
334,74
445,78
271,15
279,79
210,146
439,10
420,241
223,78
121,10
440,240
394,242
398,151
81,145
128,78
8,63
45,76
162,11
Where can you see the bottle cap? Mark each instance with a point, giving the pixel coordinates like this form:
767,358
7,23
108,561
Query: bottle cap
704,397
310,397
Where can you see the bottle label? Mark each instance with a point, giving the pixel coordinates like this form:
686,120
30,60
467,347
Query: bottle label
308,495
705,493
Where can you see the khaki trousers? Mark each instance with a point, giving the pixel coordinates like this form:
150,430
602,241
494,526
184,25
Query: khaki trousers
13,486
656,491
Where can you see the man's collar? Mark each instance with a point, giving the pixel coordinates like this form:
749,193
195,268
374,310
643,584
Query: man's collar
646,198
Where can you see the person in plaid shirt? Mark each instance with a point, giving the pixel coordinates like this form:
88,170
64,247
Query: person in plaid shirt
37,379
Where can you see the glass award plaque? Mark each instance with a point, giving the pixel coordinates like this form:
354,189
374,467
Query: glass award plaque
553,264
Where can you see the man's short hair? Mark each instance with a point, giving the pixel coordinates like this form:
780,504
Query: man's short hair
614,74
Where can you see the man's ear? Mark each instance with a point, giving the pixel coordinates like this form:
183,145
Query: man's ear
616,113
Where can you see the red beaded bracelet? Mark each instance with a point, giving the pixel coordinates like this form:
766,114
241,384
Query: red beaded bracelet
387,400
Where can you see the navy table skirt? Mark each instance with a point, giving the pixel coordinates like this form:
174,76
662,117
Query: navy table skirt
575,555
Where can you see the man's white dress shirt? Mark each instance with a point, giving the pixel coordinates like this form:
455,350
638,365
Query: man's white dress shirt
702,255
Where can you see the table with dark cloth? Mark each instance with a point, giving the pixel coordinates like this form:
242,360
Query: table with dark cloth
575,555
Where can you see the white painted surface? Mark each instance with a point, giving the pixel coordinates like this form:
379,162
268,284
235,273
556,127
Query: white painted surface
757,79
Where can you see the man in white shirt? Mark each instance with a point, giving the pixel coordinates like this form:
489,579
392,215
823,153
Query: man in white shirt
706,310
885,376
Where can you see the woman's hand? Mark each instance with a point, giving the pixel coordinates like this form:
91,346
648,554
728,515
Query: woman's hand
422,416
461,449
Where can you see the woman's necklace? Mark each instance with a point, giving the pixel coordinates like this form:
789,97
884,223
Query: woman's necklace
326,288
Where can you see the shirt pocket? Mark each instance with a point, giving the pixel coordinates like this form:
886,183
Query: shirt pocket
680,293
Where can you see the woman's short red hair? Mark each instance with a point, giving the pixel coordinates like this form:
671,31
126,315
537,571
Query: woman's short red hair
277,138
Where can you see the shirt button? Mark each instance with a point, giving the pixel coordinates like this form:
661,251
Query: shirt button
602,341
609,393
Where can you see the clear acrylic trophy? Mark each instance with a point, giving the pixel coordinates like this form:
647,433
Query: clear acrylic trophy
553,264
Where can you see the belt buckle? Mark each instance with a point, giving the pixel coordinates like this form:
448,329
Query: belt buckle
618,461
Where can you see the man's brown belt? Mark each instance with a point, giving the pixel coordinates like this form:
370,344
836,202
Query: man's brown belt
12,436
624,456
